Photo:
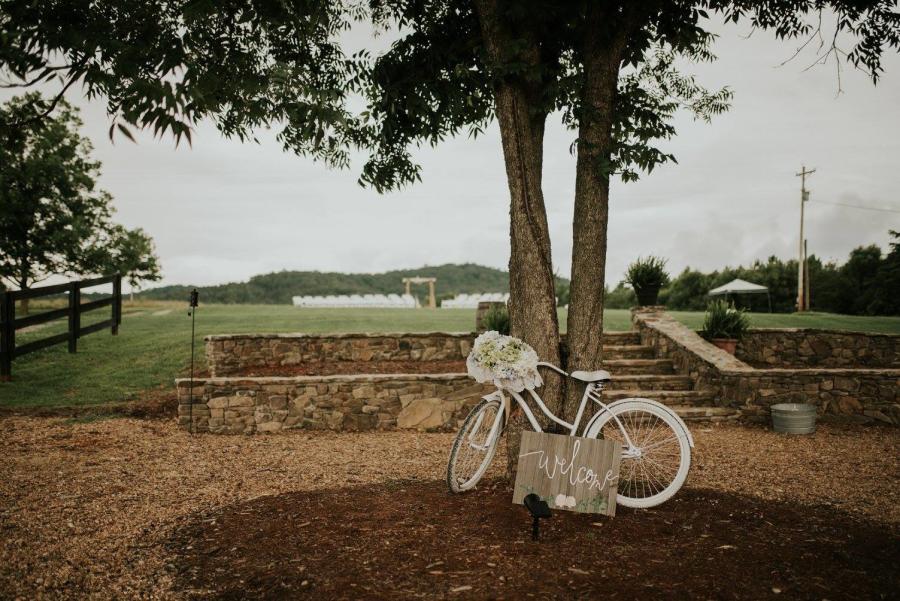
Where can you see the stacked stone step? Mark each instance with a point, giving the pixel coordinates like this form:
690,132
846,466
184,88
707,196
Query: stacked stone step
637,372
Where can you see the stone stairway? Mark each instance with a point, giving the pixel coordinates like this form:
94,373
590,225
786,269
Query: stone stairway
637,372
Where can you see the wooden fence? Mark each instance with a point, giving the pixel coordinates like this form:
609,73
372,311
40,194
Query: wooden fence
9,323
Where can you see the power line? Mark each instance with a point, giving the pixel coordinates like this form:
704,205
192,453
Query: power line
843,204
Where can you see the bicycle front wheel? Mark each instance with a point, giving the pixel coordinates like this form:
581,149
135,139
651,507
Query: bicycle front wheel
658,464
475,445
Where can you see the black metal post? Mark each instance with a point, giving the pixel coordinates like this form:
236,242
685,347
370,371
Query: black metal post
195,297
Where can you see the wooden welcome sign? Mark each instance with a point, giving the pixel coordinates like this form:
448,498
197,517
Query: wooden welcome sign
569,472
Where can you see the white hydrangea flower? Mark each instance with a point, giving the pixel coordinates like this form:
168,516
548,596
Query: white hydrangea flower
504,361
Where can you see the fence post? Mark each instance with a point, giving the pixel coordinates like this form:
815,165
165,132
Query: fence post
74,316
7,335
117,304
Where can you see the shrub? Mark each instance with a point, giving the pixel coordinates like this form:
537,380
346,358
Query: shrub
723,320
497,318
619,297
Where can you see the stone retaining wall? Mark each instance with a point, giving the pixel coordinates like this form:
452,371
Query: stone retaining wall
863,394
230,354
366,402
819,348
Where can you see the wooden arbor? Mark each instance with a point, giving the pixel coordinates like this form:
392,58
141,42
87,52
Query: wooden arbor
419,280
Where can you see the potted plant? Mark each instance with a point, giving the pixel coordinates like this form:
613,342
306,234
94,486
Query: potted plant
724,325
647,276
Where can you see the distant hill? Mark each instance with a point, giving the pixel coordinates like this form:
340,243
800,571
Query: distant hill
278,288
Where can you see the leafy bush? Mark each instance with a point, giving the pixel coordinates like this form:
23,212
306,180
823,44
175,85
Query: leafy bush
647,273
723,320
497,318
619,297
562,293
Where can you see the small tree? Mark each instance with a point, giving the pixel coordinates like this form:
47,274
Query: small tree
53,220
131,253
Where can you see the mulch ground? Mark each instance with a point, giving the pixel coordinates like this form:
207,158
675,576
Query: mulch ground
403,540
138,508
332,368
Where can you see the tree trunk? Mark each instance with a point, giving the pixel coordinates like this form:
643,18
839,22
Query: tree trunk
532,306
589,227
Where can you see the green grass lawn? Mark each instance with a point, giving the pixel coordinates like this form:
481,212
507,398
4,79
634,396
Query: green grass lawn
153,345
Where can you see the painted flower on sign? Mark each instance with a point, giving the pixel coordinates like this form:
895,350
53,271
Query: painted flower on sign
562,500
504,361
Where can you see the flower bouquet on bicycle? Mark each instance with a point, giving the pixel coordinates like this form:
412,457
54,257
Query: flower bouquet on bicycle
656,444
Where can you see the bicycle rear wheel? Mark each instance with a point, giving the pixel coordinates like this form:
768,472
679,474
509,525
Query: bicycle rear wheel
661,465
474,446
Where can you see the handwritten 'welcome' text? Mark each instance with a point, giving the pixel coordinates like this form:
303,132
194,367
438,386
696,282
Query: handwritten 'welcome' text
565,468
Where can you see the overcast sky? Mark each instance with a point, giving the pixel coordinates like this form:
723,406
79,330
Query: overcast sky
224,211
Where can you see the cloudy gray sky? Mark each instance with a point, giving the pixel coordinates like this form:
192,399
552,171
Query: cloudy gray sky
224,211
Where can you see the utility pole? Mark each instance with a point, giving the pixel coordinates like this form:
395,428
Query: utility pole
802,301
807,300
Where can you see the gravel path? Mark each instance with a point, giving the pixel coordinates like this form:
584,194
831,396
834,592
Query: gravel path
86,508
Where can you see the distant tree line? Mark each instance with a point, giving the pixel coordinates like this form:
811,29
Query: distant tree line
280,287
868,283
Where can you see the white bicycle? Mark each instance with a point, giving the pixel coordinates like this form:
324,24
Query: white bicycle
656,443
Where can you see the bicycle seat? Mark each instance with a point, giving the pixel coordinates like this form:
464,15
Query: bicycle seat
601,375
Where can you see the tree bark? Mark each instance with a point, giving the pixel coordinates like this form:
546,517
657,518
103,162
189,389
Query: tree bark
602,58
532,305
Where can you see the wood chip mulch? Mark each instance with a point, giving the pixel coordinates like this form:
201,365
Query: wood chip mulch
127,508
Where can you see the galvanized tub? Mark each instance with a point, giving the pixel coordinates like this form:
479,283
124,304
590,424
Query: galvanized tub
794,418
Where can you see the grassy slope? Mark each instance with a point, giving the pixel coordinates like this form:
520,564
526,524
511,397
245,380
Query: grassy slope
153,345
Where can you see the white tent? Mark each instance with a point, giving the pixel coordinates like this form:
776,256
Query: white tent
470,301
356,300
739,286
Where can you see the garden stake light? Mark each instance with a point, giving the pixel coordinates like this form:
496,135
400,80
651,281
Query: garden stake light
192,312
538,509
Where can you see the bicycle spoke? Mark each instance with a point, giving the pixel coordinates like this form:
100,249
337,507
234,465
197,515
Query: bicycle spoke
657,466
474,447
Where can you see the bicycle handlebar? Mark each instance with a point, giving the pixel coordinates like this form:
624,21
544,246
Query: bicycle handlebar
553,367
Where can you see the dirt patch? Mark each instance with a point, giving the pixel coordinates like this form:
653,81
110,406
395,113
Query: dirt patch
413,540
332,368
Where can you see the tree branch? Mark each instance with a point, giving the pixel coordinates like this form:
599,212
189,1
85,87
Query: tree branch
27,84
74,75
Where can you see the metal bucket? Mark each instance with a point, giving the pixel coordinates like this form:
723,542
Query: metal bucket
794,418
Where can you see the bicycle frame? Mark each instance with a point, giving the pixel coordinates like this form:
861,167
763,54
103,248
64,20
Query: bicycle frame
592,391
